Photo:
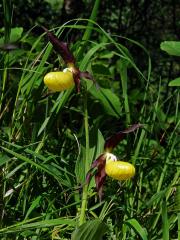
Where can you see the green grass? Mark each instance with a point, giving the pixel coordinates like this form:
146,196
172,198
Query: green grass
48,142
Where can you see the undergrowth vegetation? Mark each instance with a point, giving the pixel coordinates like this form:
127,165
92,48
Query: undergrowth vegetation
49,140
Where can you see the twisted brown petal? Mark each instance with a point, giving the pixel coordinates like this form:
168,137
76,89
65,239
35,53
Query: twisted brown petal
100,175
60,47
112,141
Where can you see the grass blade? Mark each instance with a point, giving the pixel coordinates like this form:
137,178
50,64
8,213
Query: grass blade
142,232
165,222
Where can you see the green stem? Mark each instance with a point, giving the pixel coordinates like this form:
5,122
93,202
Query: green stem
86,125
82,217
86,37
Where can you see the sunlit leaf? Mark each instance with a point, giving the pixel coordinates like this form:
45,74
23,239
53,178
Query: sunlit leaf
15,35
175,82
171,47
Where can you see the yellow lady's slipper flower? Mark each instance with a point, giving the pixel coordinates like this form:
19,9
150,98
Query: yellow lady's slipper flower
59,81
118,170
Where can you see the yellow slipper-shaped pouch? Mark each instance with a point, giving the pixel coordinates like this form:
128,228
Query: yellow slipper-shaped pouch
59,81
118,170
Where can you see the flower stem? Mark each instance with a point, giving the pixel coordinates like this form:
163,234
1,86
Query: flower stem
82,217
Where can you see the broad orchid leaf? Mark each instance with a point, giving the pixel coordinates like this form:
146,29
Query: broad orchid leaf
91,230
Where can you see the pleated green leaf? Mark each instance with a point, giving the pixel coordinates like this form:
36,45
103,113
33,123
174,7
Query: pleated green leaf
91,230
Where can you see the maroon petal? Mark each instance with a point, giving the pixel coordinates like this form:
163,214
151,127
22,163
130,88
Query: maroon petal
100,178
60,47
113,141
93,166
100,175
77,82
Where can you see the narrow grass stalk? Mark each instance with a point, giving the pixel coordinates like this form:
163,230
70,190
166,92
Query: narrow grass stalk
138,147
124,78
179,225
164,171
165,226
88,31
177,107
7,8
166,165
4,78
93,16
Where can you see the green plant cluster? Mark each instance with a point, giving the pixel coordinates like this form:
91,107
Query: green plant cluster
48,141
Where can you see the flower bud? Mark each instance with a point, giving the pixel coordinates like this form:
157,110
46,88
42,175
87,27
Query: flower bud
118,170
59,81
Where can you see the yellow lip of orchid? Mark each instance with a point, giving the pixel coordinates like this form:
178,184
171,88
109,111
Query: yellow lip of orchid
118,170
59,81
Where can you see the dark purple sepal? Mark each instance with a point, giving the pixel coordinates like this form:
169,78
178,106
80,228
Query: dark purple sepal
61,47
76,76
113,141
100,175
93,166
100,178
